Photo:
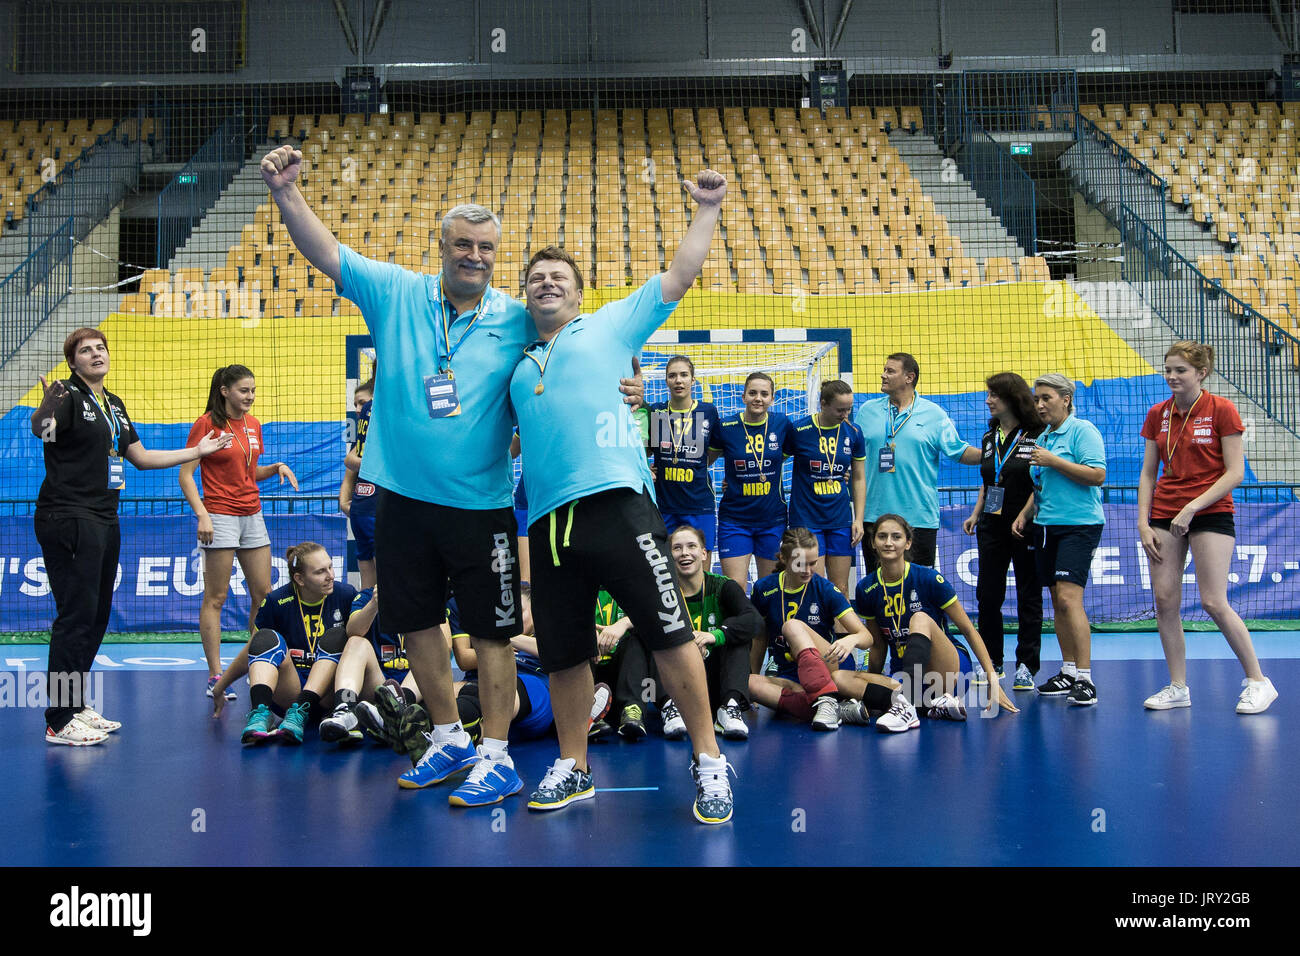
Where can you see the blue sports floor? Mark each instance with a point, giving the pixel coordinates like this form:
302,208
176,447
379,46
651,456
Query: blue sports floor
1053,785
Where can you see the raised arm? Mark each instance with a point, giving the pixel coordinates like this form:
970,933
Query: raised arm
280,169
707,191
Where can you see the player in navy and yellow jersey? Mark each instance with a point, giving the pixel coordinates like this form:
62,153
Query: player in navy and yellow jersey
828,484
357,497
752,513
803,611
295,648
680,432
904,605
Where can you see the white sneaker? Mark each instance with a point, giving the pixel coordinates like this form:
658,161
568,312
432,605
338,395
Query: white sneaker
674,726
826,713
1169,698
978,677
901,716
1256,697
948,707
75,734
98,722
729,722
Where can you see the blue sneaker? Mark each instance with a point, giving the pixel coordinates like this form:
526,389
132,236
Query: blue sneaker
258,726
1024,679
291,728
490,781
437,764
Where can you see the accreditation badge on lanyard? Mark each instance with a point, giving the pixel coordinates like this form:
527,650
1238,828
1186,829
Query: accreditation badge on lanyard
995,494
886,463
116,467
440,392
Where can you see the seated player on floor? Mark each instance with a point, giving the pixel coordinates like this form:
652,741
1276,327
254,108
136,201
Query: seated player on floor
904,606
623,664
725,624
371,659
803,611
294,651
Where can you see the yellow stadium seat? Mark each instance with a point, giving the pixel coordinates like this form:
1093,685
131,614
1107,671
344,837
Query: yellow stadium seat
1034,269
999,269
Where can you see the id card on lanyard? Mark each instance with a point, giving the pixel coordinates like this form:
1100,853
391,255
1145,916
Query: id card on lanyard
995,495
892,428
440,393
116,467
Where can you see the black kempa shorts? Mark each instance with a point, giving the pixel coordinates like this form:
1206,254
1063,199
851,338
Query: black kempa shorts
614,540
1064,552
420,547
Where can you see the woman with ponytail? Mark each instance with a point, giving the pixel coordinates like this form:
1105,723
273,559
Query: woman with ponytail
230,510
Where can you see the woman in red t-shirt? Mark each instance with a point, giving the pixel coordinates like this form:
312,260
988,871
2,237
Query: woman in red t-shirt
1197,437
230,511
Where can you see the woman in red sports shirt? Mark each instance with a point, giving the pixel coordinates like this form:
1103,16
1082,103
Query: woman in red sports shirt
1197,437
230,511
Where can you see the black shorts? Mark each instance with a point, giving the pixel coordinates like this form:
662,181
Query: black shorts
1064,552
614,540
1219,523
420,547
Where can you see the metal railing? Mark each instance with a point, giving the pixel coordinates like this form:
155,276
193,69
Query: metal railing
1256,493
996,176
86,188
1197,307
1112,176
186,199
34,290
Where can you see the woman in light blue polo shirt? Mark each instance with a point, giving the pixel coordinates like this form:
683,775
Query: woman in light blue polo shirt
1068,468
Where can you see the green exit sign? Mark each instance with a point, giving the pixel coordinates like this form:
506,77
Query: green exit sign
1022,149
187,179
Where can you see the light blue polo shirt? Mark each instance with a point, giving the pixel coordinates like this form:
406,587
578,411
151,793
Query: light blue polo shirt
912,488
578,436
462,461
1062,500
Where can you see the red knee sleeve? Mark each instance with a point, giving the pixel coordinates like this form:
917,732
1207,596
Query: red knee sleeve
814,676
796,703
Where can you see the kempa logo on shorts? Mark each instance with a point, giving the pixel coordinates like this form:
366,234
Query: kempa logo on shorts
671,621
503,563
74,909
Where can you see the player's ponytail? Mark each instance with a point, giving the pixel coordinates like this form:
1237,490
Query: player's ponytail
295,555
223,377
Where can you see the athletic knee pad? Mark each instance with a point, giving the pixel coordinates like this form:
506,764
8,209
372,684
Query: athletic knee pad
878,697
331,644
470,711
267,646
913,666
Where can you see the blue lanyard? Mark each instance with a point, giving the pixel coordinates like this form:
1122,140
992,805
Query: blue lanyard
998,462
114,426
444,363
895,424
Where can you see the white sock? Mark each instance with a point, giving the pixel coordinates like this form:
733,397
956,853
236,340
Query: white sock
711,763
1068,669
450,734
495,749
1084,673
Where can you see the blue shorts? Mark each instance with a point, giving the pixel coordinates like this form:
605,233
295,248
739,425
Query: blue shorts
521,519
707,523
539,720
834,542
1064,552
737,540
363,531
